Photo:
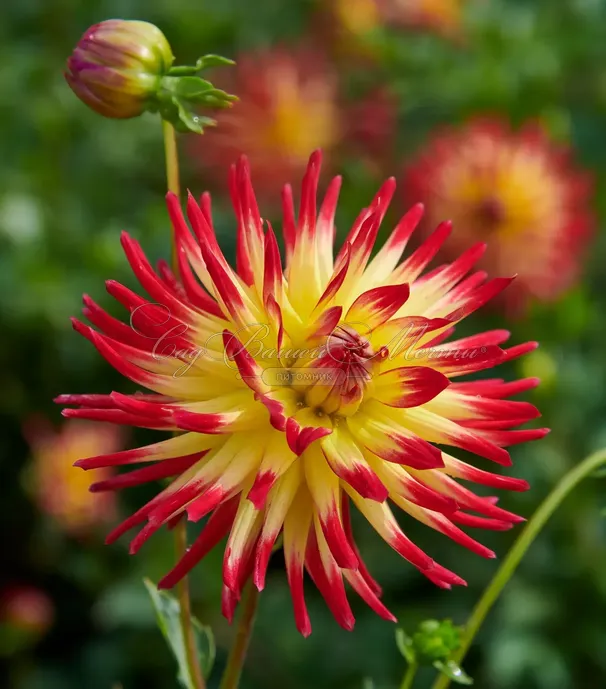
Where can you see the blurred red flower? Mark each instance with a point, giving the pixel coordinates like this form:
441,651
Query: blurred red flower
288,106
370,125
516,189
26,609
61,490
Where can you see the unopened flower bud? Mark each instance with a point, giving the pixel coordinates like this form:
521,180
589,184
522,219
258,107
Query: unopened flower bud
123,68
118,65
432,644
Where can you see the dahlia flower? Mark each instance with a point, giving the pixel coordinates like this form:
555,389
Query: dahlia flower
442,16
516,189
287,107
360,17
305,388
60,491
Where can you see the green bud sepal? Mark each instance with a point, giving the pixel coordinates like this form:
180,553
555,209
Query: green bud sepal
181,91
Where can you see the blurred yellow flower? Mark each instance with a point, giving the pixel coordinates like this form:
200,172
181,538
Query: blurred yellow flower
288,106
360,17
61,490
516,189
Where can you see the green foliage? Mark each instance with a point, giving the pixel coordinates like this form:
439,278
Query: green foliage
432,644
168,611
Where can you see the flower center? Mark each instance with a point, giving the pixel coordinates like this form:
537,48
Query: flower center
341,373
491,213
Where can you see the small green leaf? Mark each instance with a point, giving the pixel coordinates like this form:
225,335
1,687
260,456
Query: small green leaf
202,63
187,121
167,612
453,672
213,61
183,71
405,646
189,87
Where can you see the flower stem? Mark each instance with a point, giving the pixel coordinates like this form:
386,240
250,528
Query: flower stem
171,154
237,655
409,677
189,638
517,551
187,629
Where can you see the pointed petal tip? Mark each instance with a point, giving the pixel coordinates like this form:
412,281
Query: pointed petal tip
259,581
304,630
418,209
316,157
348,623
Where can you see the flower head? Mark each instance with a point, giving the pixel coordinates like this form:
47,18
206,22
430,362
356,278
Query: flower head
302,389
60,490
516,190
287,107
117,66
358,18
442,16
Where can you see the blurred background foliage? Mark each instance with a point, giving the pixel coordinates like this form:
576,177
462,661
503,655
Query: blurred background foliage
75,613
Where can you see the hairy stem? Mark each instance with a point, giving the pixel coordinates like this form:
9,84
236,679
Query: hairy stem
189,638
237,655
517,551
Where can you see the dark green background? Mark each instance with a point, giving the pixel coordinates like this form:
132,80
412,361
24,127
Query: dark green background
70,181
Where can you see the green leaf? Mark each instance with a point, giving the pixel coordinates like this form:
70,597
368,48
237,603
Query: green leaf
367,683
405,646
202,63
189,87
167,612
187,121
453,672
213,61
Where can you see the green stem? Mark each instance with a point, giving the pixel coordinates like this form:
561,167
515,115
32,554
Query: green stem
189,637
517,551
237,655
187,629
171,154
409,677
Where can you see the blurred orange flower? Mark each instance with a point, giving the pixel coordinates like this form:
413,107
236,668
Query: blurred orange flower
287,108
518,190
360,17
443,16
62,490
